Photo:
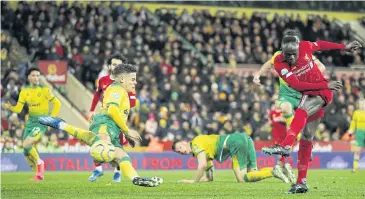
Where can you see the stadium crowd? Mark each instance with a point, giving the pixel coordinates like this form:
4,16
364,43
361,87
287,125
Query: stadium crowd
178,96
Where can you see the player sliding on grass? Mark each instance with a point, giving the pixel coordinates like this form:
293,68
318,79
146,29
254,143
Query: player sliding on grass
289,100
37,98
103,84
110,122
296,67
238,146
357,127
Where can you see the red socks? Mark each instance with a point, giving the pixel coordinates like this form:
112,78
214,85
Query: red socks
304,154
296,126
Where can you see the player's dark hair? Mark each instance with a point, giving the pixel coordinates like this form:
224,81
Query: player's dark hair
289,39
116,56
173,147
291,32
30,70
124,68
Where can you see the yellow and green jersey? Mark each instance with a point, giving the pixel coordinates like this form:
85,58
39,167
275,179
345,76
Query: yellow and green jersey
206,143
116,94
358,121
37,98
284,89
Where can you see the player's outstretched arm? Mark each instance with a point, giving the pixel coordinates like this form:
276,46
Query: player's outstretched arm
19,105
202,166
264,69
325,45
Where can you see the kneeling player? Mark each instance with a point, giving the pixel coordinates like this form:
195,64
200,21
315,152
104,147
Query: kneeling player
110,122
238,146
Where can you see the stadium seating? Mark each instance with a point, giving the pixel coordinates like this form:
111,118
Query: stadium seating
179,97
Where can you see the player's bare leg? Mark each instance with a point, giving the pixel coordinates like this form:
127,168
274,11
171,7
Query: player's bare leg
307,107
357,151
32,156
304,153
125,164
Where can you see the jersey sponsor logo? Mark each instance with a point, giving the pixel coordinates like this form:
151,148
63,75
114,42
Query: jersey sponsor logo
284,71
116,96
34,105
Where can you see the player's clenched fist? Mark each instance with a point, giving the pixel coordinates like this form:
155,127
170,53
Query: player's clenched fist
353,46
335,85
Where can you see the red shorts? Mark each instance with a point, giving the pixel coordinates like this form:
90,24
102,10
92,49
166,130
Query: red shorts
326,95
278,136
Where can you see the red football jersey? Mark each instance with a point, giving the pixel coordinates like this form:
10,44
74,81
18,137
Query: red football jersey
305,75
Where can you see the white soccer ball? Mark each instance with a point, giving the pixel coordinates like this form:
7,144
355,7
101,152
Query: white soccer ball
102,151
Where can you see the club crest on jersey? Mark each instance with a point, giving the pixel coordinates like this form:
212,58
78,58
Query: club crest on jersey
126,112
284,71
116,96
39,94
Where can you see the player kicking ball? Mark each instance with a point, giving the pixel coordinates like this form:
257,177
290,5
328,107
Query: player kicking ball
296,67
238,146
357,127
37,97
103,84
289,99
112,120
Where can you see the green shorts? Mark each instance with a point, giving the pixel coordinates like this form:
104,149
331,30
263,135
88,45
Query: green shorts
104,124
242,150
294,101
34,129
360,138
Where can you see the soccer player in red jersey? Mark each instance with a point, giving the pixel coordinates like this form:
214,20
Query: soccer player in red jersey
296,67
104,82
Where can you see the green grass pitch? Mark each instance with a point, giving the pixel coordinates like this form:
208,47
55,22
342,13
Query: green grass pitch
323,184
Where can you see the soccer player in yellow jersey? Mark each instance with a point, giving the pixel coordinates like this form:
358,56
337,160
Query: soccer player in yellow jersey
238,146
37,97
357,127
112,119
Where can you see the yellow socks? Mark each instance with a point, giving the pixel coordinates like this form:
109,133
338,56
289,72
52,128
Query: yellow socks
84,135
32,157
257,175
127,168
356,164
288,119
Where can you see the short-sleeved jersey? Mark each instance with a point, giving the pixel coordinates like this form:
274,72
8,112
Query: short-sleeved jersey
116,94
358,121
206,143
105,82
284,89
305,69
277,126
37,98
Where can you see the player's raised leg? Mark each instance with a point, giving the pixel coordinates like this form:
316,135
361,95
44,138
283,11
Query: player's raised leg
81,134
307,107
